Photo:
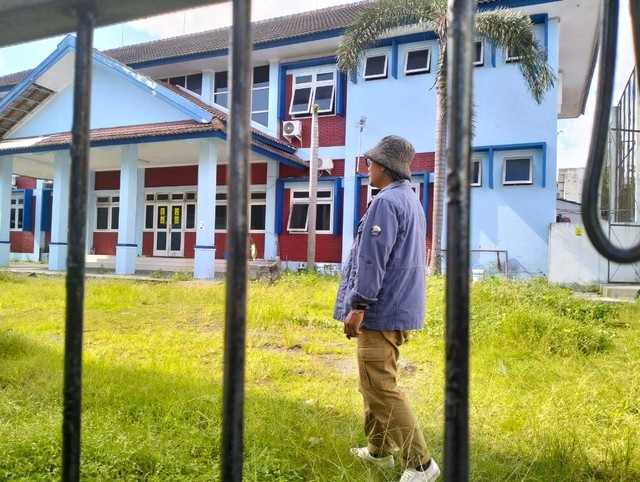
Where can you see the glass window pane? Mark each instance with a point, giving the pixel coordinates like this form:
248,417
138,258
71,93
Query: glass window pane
259,100
176,241
161,216
517,170
258,195
163,197
191,195
148,220
115,199
161,240
261,76
476,172
298,217
324,76
303,79
177,196
177,81
194,83
150,197
115,215
221,99
102,218
324,98
20,217
221,218
191,216
261,118
176,217
102,199
220,80
417,60
323,217
375,66
478,54
258,214
324,194
300,194
301,98
12,219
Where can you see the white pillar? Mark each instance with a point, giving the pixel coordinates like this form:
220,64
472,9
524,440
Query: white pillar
205,250
6,168
274,85
91,211
60,215
126,249
270,236
207,86
140,211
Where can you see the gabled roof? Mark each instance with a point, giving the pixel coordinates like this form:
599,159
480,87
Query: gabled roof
325,20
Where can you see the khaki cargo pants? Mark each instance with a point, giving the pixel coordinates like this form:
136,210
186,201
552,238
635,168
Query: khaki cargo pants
388,418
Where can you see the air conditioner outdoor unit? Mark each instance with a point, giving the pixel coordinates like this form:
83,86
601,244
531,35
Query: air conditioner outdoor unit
292,128
325,163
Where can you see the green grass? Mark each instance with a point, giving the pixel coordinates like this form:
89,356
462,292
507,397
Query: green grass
555,384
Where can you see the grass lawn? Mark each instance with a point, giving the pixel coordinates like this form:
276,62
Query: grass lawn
555,384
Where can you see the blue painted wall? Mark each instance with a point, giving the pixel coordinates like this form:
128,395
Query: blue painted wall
515,218
115,101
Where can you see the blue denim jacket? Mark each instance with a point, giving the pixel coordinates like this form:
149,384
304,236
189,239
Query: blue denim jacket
386,268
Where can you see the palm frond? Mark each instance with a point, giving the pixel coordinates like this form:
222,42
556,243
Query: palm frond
508,29
380,18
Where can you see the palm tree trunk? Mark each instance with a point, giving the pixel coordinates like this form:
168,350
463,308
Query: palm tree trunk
435,263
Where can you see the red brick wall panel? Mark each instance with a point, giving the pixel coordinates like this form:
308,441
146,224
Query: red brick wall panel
21,241
423,161
107,180
171,176
147,243
221,245
259,173
189,243
105,243
23,182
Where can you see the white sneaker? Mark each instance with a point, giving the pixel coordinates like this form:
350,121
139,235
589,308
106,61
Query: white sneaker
363,453
430,475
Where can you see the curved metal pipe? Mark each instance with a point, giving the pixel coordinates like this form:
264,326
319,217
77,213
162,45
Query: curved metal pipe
593,173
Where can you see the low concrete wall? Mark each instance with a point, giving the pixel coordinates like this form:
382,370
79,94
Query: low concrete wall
572,258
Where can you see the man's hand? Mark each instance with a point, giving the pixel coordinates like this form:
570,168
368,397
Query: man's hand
353,322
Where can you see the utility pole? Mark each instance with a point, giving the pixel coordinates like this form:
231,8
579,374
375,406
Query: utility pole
313,193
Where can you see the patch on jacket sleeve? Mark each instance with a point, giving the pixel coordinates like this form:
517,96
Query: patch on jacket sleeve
376,230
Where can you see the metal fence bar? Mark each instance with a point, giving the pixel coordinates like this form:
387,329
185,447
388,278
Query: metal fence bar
460,65
76,242
236,294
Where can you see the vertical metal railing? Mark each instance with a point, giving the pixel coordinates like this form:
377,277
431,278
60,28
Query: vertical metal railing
76,245
236,301
460,65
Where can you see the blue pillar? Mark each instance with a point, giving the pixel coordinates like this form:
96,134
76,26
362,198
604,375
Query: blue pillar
60,215
126,249
270,235
205,249
6,168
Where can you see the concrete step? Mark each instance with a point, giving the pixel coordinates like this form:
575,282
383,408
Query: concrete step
620,291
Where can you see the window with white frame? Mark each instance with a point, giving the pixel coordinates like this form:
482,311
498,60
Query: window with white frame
373,191
315,88
517,170
478,59
476,171
257,211
221,211
375,67
221,89
107,213
418,61
510,56
259,93
17,213
191,82
299,210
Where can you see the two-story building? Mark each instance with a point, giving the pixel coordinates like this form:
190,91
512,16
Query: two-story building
158,184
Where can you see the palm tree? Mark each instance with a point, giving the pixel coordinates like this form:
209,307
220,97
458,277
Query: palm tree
506,29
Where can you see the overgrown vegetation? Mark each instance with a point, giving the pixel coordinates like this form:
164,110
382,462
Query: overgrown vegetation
555,388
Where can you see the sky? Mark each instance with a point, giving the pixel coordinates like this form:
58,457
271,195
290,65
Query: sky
573,134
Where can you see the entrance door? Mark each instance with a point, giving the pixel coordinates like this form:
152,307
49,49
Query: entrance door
169,233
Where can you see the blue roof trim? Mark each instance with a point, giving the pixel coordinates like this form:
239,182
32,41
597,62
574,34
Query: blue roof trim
394,58
65,46
276,157
279,220
301,64
282,87
271,142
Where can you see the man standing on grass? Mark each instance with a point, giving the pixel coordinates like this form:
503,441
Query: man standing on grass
381,297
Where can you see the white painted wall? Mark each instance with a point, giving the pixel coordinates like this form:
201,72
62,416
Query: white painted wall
572,258
115,101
